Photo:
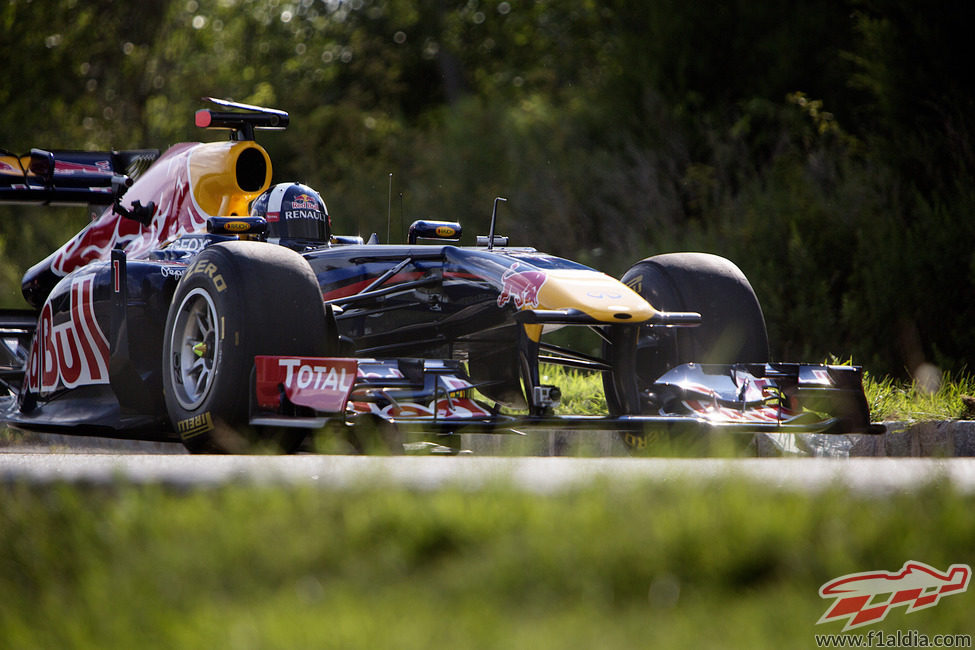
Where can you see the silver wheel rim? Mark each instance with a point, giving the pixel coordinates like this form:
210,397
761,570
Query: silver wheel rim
195,352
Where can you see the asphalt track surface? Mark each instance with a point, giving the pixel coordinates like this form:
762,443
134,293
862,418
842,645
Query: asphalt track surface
85,461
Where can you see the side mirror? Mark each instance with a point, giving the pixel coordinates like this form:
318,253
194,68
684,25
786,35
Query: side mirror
236,225
42,166
446,230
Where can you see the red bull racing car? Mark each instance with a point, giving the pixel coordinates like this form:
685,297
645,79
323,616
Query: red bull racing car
202,303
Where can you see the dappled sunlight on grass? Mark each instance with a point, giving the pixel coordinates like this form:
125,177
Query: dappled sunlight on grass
895,400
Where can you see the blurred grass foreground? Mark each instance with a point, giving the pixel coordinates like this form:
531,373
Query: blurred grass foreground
610,565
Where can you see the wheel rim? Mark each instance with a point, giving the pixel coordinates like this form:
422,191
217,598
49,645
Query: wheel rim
194,349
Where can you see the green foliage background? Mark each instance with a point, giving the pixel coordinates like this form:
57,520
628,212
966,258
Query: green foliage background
825,147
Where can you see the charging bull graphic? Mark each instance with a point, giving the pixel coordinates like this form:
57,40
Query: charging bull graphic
916,585
520,287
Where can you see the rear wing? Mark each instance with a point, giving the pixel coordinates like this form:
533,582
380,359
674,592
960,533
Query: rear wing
45,177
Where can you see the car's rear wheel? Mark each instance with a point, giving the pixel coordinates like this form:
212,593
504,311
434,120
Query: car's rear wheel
732,328
236,300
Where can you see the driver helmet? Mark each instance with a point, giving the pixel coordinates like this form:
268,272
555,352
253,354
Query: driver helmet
296,215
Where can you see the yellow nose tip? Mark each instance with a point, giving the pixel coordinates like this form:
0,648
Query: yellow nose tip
200,349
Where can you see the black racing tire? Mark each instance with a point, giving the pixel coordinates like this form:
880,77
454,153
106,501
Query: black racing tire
732,328
236,300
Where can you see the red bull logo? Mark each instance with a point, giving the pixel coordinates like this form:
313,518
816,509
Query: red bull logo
865,598
521,287
72,351
304,202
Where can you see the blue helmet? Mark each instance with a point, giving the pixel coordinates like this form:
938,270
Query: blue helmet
295,214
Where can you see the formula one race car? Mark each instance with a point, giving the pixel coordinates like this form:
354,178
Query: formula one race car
202,303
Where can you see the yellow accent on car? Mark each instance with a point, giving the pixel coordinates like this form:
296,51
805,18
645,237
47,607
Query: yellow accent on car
534,332
596,294
14,166
194,426
227,176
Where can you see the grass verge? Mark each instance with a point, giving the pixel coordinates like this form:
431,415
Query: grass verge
950,399
622,565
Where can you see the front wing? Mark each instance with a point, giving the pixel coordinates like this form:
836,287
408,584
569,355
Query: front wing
437,396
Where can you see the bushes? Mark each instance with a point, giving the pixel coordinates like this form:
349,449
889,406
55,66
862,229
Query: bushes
615,129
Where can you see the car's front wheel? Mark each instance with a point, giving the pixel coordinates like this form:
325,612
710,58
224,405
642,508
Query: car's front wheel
236,300
732,325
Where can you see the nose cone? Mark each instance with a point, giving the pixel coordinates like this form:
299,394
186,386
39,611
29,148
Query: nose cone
596,294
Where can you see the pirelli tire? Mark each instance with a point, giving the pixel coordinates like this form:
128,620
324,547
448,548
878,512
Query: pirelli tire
732,325
236,300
